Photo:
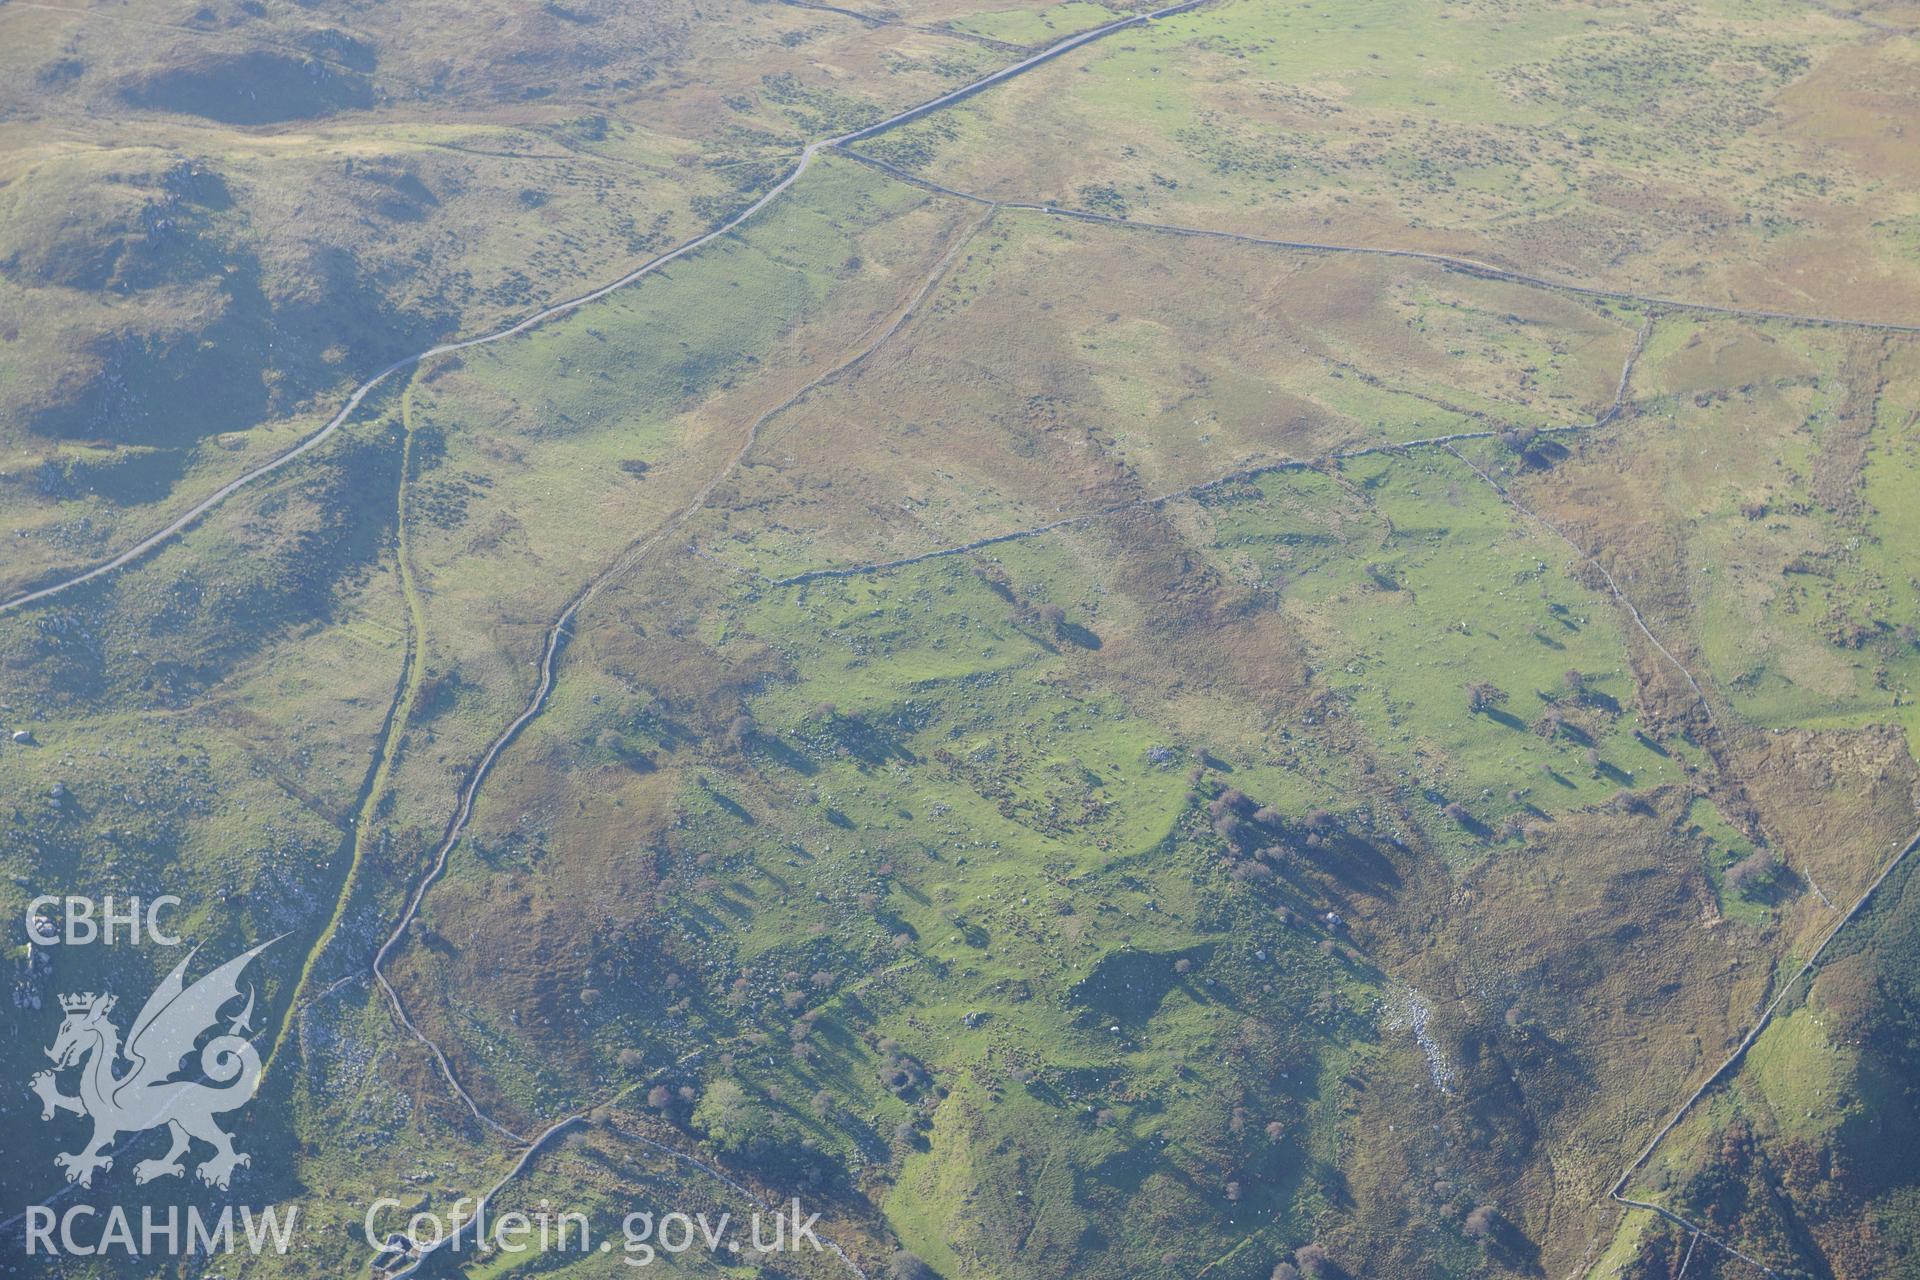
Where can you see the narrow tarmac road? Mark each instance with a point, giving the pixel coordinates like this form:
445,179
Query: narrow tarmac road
810,153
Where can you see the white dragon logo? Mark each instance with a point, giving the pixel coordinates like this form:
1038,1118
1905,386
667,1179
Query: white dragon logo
148,1094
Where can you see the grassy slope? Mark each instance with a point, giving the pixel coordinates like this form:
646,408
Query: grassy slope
1589,143
995,844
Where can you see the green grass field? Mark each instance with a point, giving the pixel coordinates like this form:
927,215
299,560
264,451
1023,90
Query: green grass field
1077,747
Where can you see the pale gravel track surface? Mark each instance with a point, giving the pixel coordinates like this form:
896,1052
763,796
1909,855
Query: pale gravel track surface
1447,442
555,639
843,143
807,156
1453,262
453,1237
1618,1190
557,631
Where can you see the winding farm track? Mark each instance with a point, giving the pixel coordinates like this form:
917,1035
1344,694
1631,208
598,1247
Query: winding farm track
842,143
1470,266
452,1238
1617,1191
359,394
1451,261
406,695
1447,442
556,639
556,633
558,630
